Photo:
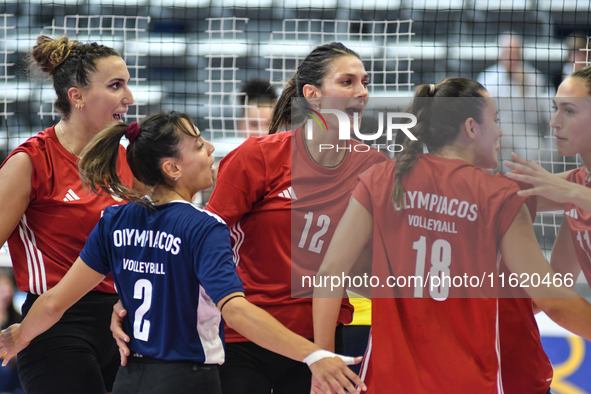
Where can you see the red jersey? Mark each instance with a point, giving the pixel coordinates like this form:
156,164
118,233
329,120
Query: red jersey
452,222
580,224
525,367
273,195
59,218
524,364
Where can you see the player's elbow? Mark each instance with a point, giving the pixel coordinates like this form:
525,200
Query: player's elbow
234,312
557,309
51,306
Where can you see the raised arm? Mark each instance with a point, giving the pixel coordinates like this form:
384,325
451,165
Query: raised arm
15,192
553,189
49,308
522,255
351,235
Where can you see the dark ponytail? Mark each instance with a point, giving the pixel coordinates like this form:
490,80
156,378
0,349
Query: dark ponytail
438,122
158,139
311,71
98,164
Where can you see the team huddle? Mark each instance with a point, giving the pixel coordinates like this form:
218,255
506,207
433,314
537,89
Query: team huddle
210,301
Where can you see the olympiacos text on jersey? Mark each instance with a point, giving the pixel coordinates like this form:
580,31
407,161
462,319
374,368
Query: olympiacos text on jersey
450,344
171,266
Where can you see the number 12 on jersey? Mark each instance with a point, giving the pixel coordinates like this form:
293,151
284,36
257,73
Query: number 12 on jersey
315,243
440,261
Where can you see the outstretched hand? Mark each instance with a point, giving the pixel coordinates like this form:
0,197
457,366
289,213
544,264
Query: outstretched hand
120,336
544,183
331,375
11,343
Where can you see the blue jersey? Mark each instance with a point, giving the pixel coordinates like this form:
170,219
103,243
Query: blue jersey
171,266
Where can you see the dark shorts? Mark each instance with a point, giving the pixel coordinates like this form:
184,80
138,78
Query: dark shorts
250,369
150,376
77,355
355,339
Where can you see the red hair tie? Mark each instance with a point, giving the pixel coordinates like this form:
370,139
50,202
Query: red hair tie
132,131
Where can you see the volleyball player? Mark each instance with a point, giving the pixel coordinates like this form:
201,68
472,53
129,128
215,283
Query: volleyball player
437,342
172,265
282,195
569,190
271,182
46,216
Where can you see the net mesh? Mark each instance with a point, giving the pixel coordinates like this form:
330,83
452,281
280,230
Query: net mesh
195,56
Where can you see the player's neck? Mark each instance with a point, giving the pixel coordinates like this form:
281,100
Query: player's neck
453,152
586,157
164,195
322,147
73,135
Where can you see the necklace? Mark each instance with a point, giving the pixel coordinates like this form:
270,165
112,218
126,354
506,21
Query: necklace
66,139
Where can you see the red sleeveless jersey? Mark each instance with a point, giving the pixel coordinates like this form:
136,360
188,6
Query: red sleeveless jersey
283,208
59,218
453,219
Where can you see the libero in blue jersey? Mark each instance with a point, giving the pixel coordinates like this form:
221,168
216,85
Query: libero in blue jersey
172,263
173,268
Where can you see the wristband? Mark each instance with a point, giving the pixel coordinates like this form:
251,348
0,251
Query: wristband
320,354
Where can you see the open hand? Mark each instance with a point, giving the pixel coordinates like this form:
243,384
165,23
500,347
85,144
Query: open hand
545,184
11,343
331,375
120,336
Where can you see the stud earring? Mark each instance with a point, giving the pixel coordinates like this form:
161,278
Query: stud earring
176,178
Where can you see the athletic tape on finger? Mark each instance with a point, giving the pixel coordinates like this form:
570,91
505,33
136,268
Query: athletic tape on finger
320,354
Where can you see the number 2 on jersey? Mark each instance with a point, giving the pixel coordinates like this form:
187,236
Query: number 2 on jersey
141,327
315,243
440,262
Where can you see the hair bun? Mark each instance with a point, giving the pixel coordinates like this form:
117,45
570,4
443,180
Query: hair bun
50,53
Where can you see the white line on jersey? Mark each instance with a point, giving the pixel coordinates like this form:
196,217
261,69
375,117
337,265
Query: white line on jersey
288,193
71,196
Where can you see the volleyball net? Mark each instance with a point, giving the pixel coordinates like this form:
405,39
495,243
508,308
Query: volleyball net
196,56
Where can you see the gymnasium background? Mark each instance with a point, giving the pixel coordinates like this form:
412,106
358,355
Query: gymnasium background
194,55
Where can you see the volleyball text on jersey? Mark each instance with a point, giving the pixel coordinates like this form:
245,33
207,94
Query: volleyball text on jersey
439,204
147,238
143,267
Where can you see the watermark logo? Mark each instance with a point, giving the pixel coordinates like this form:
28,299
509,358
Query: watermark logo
345,127
345,124
316,116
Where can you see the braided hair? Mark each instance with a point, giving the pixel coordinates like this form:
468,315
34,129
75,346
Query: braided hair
70,63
